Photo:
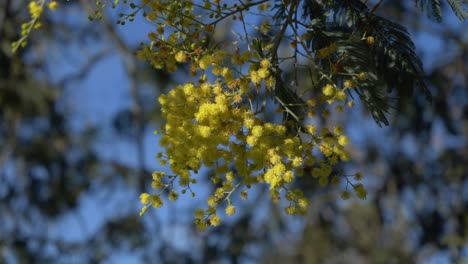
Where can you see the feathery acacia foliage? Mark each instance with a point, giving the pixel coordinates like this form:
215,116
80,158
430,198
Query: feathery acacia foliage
433,8
222,119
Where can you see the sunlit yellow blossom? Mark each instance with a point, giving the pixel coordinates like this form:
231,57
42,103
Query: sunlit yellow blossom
145,198
338,130
291,210
362,76
156,201
205,131
52,5
328,90
311,102
343,140
340,95
205,62
35,9
297,161
199,213
173,195
350,83
181,57
230,210
265,63
255,77
215,220
303,203
263,73
212,201
288,176
257,131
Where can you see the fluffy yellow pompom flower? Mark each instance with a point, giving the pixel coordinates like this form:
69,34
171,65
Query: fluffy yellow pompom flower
340,95
173,195
215,220
360,191
350,83
297,162
156,201
343,140
265,63
230,210
181,57
263,73
35,9
362,76
328,90
52,5
205,62
257,131
145,198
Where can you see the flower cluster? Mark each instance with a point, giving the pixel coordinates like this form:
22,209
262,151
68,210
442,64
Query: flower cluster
220,124
205,126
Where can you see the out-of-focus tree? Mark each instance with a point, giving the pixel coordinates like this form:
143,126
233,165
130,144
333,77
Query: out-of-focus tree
48,164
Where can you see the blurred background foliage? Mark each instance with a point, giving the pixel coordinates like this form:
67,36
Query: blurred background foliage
68,197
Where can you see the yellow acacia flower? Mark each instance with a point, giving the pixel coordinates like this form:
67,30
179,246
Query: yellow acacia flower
199,213
265,63
145,198
212,201
156,201
343,140
205,62
181,57
311,129
35,9
338,130
257,131
205,131
173,195
255,77
361,192
340,95
328,90
230,210
52,5
358,176
362,76
350,83
215,220
263,73
297,162
311,102
288,176
291,210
